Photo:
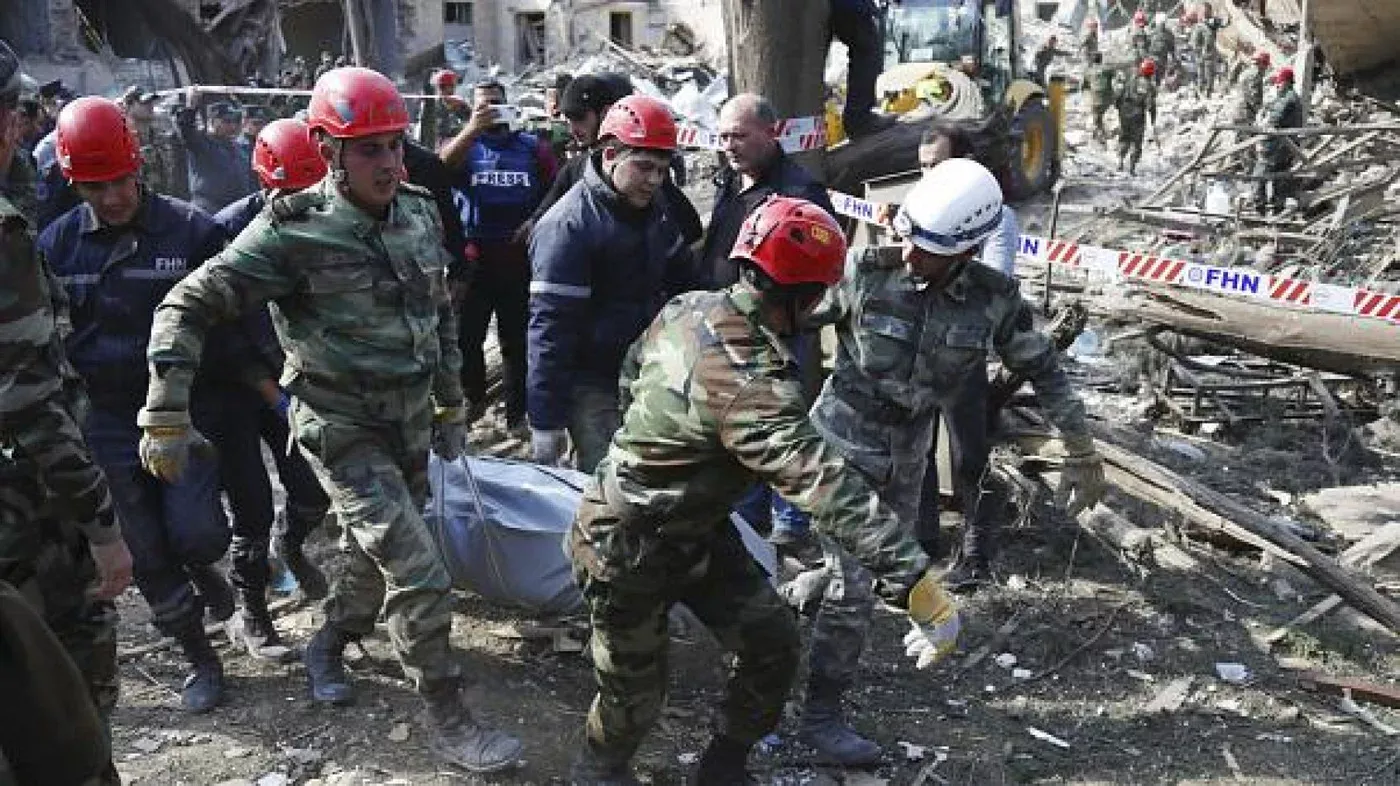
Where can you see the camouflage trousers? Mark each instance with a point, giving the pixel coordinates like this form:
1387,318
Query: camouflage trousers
46,559
46,436
1100,107
370,453
1130,133
1206,69
730,594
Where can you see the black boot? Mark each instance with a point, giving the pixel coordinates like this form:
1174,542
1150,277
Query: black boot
973,566
325,666
309,577
257,633
590,769
204,686
724,764
456,736
214,589
824,728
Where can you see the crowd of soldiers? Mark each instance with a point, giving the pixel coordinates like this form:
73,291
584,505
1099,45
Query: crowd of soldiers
326,290
1156,64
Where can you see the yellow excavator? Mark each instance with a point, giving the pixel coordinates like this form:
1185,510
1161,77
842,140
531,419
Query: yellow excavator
961,59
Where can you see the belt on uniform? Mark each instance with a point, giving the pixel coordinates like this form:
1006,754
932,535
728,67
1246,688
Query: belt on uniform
870,404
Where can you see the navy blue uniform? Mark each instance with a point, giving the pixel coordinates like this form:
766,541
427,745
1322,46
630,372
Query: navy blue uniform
114,278
220,173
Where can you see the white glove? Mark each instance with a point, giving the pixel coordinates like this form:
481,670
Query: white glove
928,642
549,446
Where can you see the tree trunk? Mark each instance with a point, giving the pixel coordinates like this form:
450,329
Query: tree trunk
777,48
204,58
361,44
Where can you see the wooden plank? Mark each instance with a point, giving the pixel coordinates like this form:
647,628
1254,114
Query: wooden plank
1376,693
1363,553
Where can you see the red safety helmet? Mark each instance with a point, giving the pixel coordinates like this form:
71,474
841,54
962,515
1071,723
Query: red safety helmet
1190,17
1093,24
1140,18
96,143
792,241
285,156
1147,67
640,121
1284,74
444,77
352,102
1262,58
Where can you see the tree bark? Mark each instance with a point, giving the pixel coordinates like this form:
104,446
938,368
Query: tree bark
361,43
777,48
204,58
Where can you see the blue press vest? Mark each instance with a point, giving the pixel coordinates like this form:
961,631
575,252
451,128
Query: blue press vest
500,185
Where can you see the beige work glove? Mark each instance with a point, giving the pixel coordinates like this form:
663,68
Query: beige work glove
1081,476
167,440
935,622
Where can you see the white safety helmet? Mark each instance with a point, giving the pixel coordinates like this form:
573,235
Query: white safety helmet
953,208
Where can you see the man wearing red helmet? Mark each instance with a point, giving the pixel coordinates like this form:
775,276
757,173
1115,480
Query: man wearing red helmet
1137,106
286,160
1140,38
450,112
1089,44
712,404
604,260
1285,110
1249,97
117,255
356,272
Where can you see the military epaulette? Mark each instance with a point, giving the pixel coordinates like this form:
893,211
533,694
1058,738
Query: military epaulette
879,257
991,280
294,207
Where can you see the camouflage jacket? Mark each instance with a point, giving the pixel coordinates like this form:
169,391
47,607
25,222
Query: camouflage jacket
1162,45
359,304
1251,94
1101,79
905,349
711,402
1089,44
1203,38
32,365
1137,101
163,161
1140,43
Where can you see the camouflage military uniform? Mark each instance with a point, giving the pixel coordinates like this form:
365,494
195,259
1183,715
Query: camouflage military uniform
54,501
1249,96
163,168
1089,44
1276,154
712,403
1137,104
362,308
1207,56
1162,48
1101,94
1141,43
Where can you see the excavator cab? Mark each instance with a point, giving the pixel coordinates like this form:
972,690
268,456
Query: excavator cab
935,49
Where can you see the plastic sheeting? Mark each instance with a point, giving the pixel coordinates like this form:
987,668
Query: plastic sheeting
500,525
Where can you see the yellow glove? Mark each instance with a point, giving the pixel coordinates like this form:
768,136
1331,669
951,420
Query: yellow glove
935,622
165,450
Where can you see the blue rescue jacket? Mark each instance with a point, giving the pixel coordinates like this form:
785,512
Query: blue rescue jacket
115,278
602,270
499,185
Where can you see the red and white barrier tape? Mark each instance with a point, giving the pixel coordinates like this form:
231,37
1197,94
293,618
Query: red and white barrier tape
1141,267
796,135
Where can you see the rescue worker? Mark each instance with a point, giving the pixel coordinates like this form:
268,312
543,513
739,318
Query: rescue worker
1044,56
712,405
1137,106
1285,110
604,260
1162,48
1102,81
584,103
162,158
219,174
356,272
451,111
286,160
1203,34
500,176
1141,41
1089,44
116,255
855,23
1249,95
58,531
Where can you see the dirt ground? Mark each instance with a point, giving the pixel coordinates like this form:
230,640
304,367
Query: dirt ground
1098,639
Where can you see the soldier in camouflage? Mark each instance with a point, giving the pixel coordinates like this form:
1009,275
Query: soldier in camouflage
1102,90
1089,44
1249,93
450,112
1202,42
1141,40
1161,47
712,403
1137,106
1277,154
58,532
356,274
163,167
